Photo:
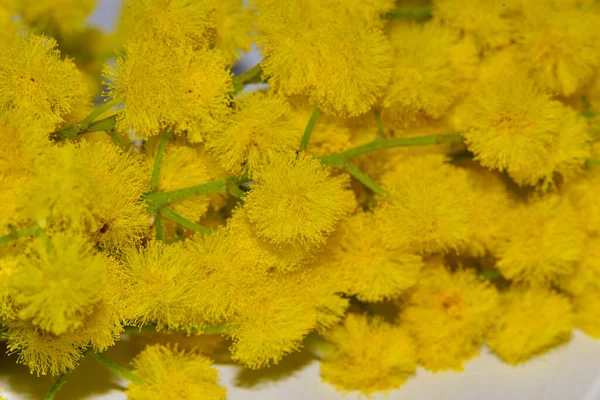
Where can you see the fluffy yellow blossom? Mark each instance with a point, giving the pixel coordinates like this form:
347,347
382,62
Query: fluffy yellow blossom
311,48
44,352
559,48
36,81
490,23
181,168
513,126
8,264
448,314
169,87
157,285
429,76
296,201
374,269
94,185
58,281
56,18
587,270
544,242
428,210
273,322
582,194
172,374
586,307
258,129
172,22
530,321
233,26
368,355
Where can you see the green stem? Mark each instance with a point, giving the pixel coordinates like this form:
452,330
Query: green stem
592,163
62,379
162,145
84,125
115,139
340,159
364,179
186,223
418,13
251,75
160,230
14,235
309,128
380,127
158,199
117,369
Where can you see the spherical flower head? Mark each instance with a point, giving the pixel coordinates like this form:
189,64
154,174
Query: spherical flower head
375,269
172,374
531,321
258,128
176,22
545,245
233,27
512,126
490,23
559,48
44,352
368,355
297,201
8,264
94,187
182,167
58,282
429,205
340,62
169,87
448,314
156,285
587,271
58,18
430,73
36,81
272,322
586,307
581,193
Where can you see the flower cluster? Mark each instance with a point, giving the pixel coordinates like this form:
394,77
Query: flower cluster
413,181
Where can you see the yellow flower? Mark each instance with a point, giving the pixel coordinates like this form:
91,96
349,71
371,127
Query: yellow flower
586,306
56,18
544,242
429,76
587,271
169,87
58,282
448,314
559,48
296,201
374,269
429,208
340,62
36,81
512,126
531,321
157,285
93,186
368,355
172,374
582,194
490,23
258,129
233,26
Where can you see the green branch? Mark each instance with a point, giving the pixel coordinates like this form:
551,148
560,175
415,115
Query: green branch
379,123
309,128
186,223
162,145
158,224
589,163
117,369
31,230
365,180
158,199
115,138
253,75
417,13
62,379
85,125
340,159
